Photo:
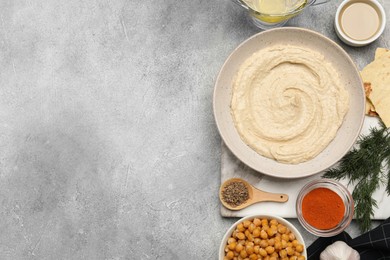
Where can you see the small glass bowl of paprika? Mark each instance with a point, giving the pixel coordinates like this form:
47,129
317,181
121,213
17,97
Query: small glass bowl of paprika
324,207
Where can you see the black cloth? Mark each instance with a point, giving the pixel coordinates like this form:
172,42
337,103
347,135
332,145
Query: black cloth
372,245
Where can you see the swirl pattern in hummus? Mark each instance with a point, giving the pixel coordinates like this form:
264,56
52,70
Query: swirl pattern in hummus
288,103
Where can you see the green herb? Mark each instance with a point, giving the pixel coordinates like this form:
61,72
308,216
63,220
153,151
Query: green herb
367,166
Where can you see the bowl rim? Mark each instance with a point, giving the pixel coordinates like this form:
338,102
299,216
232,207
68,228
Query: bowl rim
348,40
339,189
228,233
249,161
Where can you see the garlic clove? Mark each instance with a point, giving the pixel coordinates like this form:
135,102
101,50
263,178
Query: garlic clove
339,250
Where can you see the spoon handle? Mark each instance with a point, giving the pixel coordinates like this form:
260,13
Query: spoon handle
259,195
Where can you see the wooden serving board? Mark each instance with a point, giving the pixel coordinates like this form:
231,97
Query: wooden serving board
231,167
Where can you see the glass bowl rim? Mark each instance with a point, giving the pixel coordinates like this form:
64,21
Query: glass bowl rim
342,191
290,13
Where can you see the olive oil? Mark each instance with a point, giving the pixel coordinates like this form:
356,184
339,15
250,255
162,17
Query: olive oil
275,11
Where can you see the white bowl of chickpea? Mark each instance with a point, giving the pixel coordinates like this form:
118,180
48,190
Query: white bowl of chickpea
262,237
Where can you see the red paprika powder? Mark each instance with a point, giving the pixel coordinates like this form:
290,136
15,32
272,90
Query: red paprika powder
323,208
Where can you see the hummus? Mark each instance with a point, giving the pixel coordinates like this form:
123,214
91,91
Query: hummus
288,103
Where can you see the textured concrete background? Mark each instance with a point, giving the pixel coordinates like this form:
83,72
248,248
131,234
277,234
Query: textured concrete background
108,146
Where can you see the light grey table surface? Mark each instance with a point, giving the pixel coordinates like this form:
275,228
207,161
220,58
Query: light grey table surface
108,145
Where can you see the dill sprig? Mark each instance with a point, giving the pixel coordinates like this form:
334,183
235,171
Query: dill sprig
367,165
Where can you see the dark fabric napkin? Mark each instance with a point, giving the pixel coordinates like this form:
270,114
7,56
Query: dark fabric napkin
372,245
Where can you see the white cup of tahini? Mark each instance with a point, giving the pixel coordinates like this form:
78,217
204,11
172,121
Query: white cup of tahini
359,22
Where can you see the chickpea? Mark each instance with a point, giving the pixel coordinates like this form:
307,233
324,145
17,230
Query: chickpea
278,245
274,254
263,234
230,255
253,257
264,227
270,249
290,251
232,245
299,248
249,249
246,223
250,237
291,236
240,235
243,254
231,240
272,231
250,244
274,222
239,248
257,222
263,243
273,258
256,249
251,227
285,237
301,257
283,253
226,249
271,242
262,252
282,229
256,232
293,258
240,227
284,244
295,243
257,241
264,222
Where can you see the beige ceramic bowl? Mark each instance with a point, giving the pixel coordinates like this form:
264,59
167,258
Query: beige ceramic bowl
349,77
269,217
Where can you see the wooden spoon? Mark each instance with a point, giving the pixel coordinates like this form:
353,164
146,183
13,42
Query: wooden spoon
255,195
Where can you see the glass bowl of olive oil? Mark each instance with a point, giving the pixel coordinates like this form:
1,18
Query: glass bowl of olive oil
268,14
